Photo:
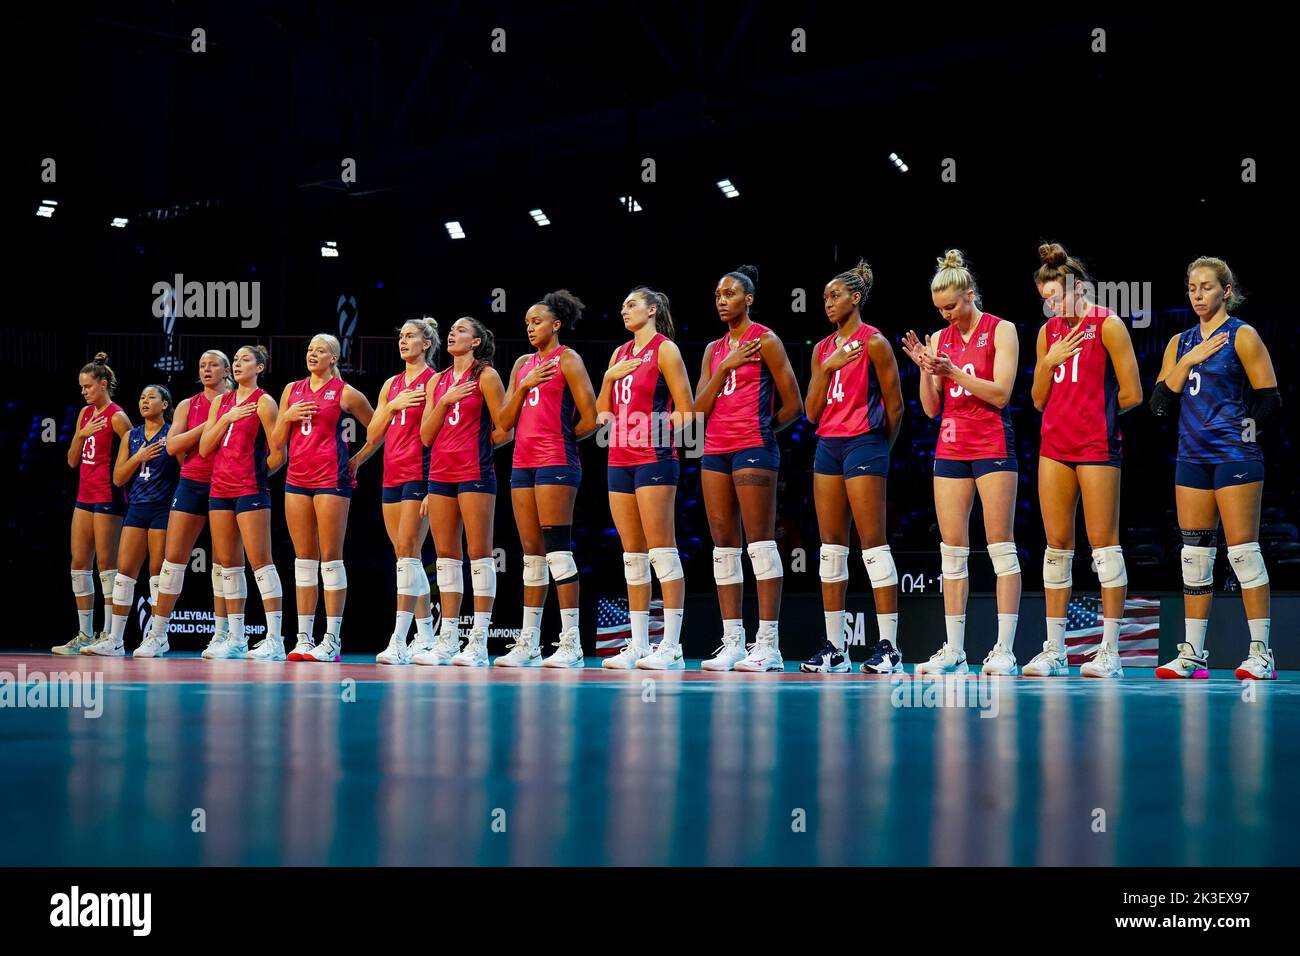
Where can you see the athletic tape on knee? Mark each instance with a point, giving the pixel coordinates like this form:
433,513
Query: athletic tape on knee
1058,568
451,575
1248,565
766,559
153,589
83,583
234,586
536,572
1198,569
557,537
268,582
833,565
123,590
563,568
334,575
1200,537
726,566
1004,558
305,571
953,559
218,583
173,576
483,577
636,567
880,566
667,564
1108,562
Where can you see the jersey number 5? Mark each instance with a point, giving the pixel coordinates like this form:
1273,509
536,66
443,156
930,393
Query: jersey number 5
534,395
1195,378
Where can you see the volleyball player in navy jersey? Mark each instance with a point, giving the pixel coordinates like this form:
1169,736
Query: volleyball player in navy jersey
1220,470
97,517
150,475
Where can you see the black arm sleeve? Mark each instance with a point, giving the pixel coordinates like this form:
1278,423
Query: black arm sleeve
1266,403
1163,400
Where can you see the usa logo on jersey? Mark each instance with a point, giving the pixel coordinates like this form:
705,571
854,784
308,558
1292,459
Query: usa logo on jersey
1090,332
982,341
329,395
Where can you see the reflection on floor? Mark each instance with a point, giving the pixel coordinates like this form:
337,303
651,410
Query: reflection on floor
234,763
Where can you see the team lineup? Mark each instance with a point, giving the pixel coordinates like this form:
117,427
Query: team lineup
145,492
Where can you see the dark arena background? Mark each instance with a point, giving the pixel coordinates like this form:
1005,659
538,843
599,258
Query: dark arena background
317,152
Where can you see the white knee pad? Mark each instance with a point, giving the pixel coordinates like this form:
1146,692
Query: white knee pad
536,572
667,564
83,583
234,586
636,567
153,589
123,590
334,576
406,576
563,568
1198,569
173,576
218,583
450,575
1058,568
726,566
1248,565
953,559
268,582
305,571
1108,562
833,565
880,566
766,559
483,577
1004,558
106,579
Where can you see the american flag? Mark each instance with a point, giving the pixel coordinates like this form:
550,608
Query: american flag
1139,632
614,626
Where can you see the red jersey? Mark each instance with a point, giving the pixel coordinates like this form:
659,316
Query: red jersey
1081,420
318,455
98,453
196,467
544,432
640,432
971,427
854,405
406,458
742,415
239,463
462,449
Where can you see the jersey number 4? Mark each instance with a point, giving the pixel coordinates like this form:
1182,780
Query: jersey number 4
836,392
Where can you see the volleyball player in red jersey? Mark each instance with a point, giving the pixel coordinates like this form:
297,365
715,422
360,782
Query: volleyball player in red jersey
318,492
856,402
97,517
396,424
645,398
740,374
189,506
460,424
240,503
1086,376
551,406
967,373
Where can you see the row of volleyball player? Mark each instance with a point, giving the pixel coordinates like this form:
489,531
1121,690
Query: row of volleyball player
208,461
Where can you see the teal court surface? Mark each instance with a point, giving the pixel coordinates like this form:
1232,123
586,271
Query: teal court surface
190,762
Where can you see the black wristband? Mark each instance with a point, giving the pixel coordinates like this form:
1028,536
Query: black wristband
1163,399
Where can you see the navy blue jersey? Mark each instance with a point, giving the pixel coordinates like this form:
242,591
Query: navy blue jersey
1214,404
155,480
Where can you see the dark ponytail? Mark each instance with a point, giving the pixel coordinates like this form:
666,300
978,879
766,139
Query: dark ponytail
663,314
487,346
166,396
